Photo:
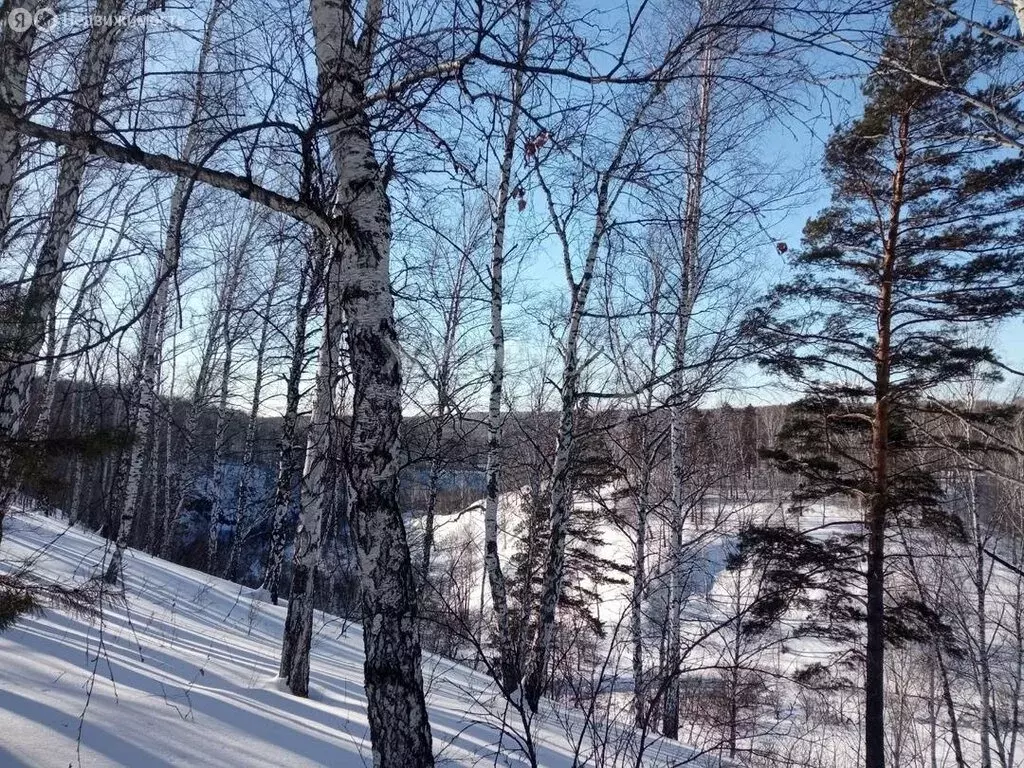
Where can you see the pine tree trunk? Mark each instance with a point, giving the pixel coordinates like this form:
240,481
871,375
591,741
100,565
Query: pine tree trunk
317,477
874,660
874,683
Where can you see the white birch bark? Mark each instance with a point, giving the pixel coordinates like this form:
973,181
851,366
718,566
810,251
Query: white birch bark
142,440
979,579
40,301
162,510
507,658
144,390
562,496
637,597
41,428
1017,633
642,455
1018,11
220,509
680,406
188,472
315,264
47,275
317,484
58,353
396,708
78,474
561,490
361,227
15,52
444,394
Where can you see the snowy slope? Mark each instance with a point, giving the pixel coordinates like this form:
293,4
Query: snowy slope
184,675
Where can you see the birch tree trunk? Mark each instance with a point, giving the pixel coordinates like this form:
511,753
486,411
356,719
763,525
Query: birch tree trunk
94,277
219,516
40,301
142,439
188,472
397,713
218,509
315,264
1018,11
561,486
144,394
685,300
637,600
162,506
15,51
981,639
561,503
509,670
1017,629
78,474
57,353
317,484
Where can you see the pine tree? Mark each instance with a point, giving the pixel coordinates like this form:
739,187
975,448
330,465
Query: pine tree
585,571
920,242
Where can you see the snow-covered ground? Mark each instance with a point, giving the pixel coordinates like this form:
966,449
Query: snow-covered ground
184,675
802,727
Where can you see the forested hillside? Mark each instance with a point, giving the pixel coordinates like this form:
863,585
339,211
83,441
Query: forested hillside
632,382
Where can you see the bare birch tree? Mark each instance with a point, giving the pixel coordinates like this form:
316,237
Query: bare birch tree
42,294
322,451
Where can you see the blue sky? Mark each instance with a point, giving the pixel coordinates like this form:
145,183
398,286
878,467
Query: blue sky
798,137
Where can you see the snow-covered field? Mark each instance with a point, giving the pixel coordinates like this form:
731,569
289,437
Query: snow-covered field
184,674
